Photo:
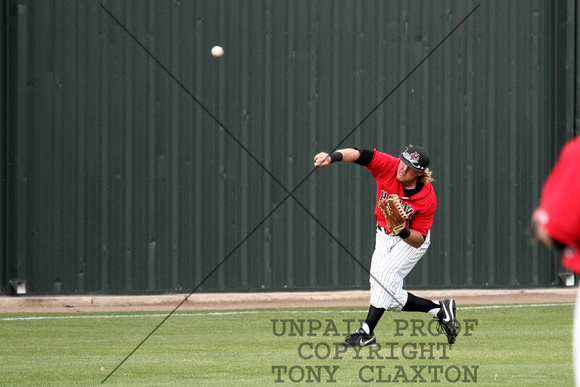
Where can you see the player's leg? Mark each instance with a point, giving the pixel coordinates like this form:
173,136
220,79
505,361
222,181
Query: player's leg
373,317
444,311
389,269
418,304
392,260
365,335
402,259
413,304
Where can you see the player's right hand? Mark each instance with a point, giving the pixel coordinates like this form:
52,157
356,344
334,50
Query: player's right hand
322,159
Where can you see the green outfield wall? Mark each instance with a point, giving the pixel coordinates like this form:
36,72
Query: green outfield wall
133,161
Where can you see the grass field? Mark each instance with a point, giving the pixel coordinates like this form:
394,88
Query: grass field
523,345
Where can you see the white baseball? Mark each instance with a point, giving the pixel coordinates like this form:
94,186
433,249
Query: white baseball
217,51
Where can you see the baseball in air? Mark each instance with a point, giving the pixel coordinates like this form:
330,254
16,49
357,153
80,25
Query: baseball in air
217,51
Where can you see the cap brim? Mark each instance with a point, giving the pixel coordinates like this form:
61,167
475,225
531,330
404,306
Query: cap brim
408,164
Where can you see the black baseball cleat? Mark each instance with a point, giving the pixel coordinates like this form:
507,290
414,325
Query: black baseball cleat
359,339
448,320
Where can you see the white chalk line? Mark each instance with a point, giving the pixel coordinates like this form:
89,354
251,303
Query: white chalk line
243,312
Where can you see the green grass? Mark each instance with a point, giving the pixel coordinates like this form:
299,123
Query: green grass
509,346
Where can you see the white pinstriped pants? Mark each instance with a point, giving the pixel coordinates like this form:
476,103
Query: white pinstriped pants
392,260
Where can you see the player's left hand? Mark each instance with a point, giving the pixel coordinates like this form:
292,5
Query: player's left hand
394,214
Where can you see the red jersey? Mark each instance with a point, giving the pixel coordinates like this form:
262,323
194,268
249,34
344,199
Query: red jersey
559,210
420,207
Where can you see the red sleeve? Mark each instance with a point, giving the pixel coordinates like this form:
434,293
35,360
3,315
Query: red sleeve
383,163
559,210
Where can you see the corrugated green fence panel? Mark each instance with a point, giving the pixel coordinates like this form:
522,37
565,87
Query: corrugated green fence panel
124,181
3,128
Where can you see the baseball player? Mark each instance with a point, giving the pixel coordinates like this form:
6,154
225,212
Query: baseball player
557,223
397,252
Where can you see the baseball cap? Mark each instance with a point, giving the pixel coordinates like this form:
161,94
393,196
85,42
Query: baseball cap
416,158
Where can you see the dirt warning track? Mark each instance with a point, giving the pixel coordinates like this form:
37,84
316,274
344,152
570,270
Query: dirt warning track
226,301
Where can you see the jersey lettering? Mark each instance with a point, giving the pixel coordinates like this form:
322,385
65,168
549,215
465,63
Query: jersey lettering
408,210
406,206
383,195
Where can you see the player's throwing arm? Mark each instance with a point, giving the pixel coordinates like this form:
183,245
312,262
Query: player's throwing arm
323,159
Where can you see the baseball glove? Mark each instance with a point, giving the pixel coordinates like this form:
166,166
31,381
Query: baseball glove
394,214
